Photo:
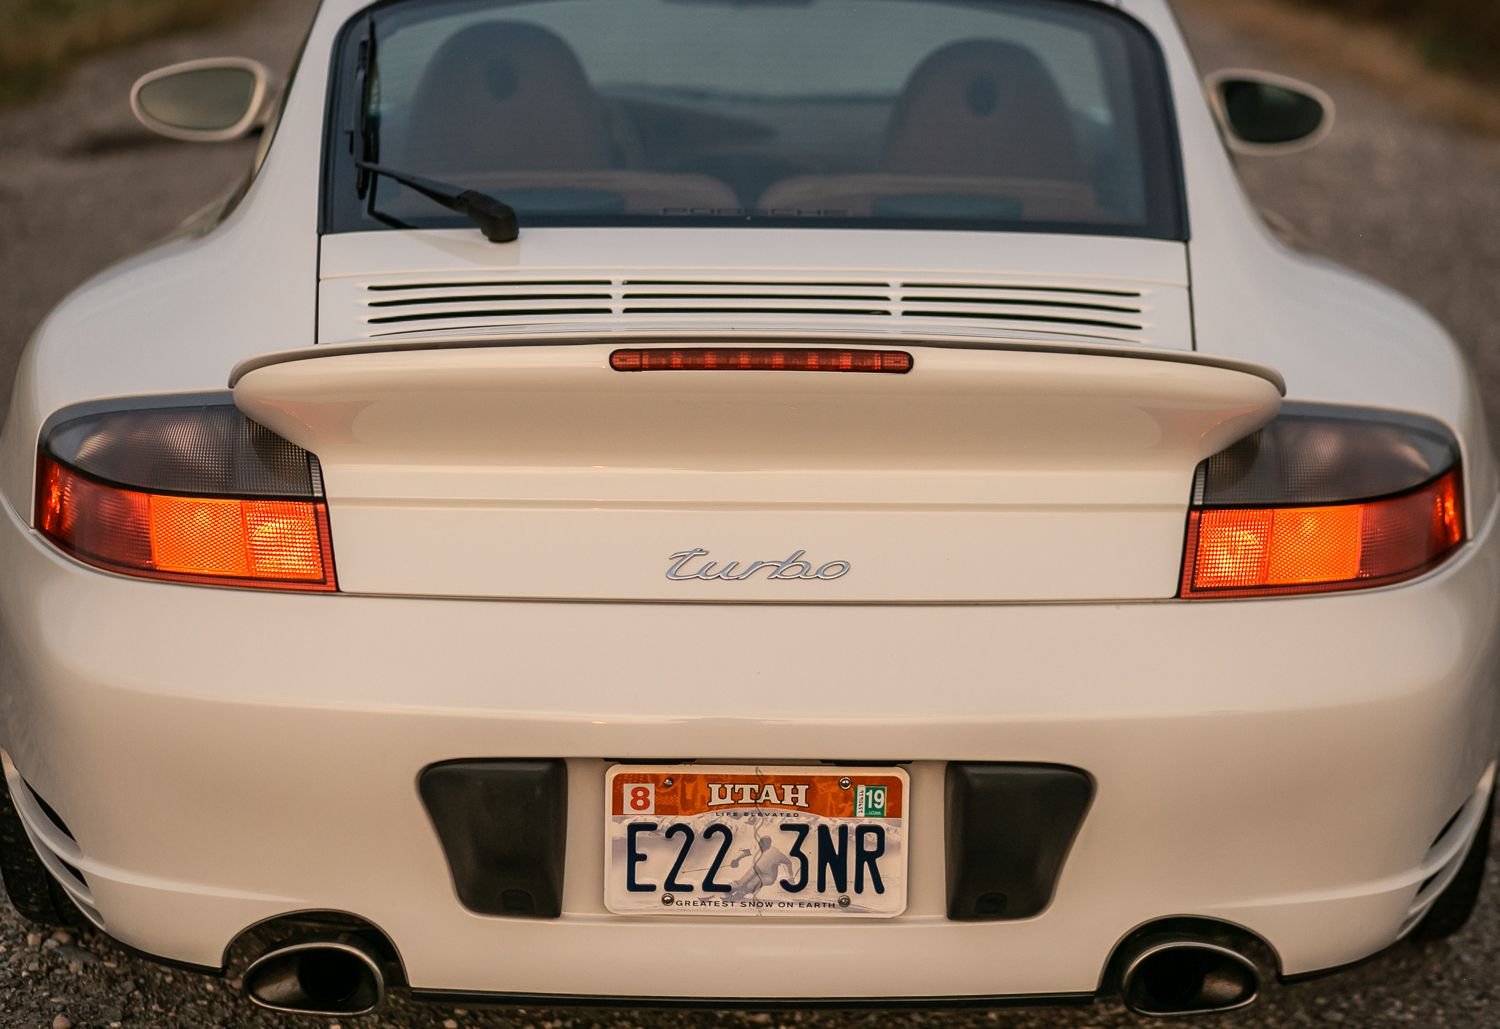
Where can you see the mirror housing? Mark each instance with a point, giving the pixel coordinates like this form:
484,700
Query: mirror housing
1266,114
206,101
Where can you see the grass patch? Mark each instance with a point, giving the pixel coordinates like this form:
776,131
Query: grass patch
40,39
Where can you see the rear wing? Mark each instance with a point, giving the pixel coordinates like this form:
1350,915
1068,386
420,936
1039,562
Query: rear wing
541,472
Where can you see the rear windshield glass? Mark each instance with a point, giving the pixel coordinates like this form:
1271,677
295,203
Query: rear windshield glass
1032,115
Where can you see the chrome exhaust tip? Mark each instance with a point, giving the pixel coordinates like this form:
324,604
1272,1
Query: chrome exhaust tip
1183,975
317,976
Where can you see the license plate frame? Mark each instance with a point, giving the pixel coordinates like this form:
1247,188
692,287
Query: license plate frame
854,820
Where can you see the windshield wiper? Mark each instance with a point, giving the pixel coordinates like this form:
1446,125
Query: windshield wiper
495,218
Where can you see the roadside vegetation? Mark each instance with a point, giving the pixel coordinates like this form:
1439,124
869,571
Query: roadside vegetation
1395,52
40,39
1461,35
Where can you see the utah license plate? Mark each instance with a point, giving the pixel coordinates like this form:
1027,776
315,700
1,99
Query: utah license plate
741,840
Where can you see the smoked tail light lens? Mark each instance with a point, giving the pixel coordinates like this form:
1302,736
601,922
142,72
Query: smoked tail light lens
194,494
1311,531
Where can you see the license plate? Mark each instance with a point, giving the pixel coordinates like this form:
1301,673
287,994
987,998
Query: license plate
739,840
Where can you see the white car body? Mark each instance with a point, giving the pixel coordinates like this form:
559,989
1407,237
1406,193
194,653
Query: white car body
226,757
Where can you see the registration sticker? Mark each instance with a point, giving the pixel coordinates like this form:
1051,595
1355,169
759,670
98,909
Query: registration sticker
741,840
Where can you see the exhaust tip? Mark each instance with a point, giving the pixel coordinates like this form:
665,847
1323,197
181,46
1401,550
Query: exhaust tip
317,977
1184,976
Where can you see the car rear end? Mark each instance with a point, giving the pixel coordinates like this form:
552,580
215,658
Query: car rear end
969,594
877,593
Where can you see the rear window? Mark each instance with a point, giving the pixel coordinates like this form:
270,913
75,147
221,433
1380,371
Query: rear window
1021,115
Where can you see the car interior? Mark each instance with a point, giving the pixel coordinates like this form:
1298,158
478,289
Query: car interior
980,130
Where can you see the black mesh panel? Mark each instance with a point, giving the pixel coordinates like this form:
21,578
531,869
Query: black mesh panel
202,450
1319,455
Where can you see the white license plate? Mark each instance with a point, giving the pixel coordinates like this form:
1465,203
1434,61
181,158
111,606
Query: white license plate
741,840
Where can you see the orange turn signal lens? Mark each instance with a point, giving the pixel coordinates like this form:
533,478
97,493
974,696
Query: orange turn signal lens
1243,552
759,359
276,544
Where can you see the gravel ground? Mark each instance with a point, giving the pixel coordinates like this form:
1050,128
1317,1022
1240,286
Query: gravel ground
1392,194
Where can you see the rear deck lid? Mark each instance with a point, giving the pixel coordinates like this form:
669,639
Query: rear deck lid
985,473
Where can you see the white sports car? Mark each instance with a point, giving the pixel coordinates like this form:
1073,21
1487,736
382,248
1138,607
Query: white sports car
765,501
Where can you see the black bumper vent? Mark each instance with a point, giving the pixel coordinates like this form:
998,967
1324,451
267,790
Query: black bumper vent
503,826
1009,830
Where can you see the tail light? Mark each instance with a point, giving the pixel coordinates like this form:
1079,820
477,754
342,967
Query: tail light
1324,499
186,492
731,359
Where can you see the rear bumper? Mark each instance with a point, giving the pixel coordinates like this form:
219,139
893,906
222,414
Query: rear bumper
225,757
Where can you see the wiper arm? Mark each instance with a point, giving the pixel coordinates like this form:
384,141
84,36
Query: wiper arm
495,218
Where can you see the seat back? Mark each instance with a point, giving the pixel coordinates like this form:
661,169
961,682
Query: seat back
506,96
983,108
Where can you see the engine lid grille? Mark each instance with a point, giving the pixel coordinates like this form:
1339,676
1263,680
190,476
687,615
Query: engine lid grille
1136,314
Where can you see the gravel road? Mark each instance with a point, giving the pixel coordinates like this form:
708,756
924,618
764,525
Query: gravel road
1402,199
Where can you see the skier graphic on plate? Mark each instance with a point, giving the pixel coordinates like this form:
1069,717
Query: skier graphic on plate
763,871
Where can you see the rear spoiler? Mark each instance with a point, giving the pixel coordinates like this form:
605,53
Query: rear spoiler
1080,347
981,474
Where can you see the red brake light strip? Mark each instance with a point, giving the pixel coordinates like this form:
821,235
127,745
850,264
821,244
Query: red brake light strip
760,359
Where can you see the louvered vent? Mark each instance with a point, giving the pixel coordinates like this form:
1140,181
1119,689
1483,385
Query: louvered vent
449,304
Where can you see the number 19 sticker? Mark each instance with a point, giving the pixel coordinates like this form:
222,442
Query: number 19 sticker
869,802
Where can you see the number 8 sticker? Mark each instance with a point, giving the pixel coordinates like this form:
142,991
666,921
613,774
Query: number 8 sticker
640,798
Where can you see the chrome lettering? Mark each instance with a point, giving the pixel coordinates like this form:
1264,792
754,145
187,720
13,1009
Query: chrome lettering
681,558
794,567
795,561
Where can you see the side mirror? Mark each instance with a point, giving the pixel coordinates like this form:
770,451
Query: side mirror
208,101
1263,113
